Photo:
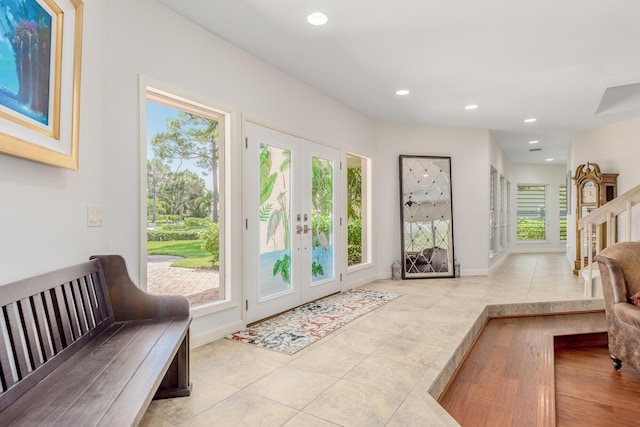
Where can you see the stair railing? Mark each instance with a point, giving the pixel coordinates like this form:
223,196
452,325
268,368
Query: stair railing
605,214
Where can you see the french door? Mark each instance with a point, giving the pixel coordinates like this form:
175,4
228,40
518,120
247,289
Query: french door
292,221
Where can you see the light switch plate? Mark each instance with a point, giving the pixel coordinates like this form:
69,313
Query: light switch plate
95,216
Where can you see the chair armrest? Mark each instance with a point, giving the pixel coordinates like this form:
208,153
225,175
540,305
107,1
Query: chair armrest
628,313
610,272
132,303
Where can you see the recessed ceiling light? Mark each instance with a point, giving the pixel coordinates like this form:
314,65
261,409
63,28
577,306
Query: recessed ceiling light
533,142
317,18
530,120
548,160
402,92
471,107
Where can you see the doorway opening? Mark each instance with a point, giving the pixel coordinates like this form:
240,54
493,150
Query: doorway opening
293,226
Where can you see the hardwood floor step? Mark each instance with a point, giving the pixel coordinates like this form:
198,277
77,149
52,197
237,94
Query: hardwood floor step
542,370
590,392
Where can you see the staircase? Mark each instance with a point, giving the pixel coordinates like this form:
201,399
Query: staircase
618,217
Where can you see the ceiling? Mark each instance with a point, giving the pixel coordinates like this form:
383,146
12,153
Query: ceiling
548,59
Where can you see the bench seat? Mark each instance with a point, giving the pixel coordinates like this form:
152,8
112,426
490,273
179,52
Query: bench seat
116,371
90,369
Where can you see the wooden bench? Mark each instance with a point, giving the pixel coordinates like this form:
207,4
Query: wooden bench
84,346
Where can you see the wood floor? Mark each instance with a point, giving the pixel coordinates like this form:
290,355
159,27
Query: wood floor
498,383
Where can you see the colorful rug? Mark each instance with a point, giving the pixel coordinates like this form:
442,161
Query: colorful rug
295,329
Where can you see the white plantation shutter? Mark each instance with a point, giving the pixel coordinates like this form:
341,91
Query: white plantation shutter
531,212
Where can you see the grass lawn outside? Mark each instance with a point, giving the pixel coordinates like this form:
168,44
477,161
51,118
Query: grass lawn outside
194,256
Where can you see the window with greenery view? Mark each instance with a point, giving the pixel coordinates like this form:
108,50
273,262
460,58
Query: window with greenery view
184,143
531,212
357,212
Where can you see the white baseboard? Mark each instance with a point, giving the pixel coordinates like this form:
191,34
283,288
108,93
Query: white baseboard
384,276
359,282
215,334
463,273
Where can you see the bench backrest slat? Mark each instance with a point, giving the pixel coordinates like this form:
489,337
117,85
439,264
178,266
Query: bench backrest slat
6,381
72,315
52,321
101,293
43,333
31,334
44,320
62,315
87,303
22,364
81,306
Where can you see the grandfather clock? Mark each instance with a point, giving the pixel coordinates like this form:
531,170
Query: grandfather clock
593,189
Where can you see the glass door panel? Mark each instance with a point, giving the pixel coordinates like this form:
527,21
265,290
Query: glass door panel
275,217
271,258
321,199
321,219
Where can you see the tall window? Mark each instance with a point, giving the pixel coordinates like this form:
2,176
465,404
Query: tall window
184,216
493,203
501,218
498,212
563,212
507,225
357,210
531,212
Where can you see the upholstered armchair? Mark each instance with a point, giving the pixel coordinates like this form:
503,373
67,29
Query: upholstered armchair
620,274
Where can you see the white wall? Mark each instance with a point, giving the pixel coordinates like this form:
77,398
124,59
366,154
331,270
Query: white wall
469,152
43,209
553,176
498,159
615,148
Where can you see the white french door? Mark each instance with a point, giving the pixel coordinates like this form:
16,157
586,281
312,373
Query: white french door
292,221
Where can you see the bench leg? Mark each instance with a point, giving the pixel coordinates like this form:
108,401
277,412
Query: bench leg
177,380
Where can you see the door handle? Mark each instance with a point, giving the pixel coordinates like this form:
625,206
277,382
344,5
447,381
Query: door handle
299,229
306,229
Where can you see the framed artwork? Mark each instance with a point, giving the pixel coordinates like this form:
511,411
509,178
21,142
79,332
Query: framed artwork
40,63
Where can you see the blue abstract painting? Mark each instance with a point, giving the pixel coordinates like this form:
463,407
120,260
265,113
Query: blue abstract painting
25,59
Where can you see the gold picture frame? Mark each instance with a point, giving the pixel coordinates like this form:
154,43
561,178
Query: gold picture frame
40,91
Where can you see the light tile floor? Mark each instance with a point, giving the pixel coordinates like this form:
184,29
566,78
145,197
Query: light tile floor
385,368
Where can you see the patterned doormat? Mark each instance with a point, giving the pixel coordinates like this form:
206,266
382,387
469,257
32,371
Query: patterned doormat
295,329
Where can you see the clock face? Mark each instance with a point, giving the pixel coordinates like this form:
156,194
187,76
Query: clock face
589,192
